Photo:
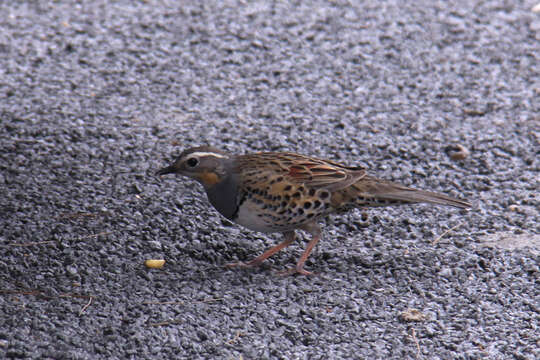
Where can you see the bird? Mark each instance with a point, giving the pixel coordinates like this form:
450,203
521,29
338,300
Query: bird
282,192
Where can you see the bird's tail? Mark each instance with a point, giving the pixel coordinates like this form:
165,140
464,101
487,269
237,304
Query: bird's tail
370,191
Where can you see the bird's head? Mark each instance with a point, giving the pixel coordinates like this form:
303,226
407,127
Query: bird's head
205,164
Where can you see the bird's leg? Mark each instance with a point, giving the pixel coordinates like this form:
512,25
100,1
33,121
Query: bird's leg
315,231
289,238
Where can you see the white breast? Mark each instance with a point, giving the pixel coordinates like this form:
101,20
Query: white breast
247,217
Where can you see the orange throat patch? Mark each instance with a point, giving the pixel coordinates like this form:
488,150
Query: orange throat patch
209,178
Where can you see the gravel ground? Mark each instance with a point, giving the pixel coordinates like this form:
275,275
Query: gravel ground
95,97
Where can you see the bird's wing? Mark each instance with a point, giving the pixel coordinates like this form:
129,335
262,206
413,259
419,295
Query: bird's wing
299,169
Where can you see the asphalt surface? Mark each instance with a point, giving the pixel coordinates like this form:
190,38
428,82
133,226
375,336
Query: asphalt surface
95,97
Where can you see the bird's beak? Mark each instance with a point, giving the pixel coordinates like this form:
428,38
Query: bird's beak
166,170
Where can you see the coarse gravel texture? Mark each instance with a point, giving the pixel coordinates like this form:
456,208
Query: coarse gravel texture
95,97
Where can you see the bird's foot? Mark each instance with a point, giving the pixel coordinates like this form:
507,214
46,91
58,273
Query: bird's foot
295,270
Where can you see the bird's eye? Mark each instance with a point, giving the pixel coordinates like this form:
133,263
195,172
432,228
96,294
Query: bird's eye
192,162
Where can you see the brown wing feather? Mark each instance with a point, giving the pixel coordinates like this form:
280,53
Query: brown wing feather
300,169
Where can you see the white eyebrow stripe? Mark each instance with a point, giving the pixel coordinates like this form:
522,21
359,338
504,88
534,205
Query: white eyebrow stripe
202,154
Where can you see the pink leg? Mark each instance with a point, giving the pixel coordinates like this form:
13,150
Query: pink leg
289,238
315,231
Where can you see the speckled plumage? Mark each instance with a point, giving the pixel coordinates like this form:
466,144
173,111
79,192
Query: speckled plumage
282,192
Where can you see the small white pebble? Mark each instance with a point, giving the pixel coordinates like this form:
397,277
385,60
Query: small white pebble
536,8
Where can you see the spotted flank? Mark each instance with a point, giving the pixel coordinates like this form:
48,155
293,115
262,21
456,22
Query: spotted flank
273,204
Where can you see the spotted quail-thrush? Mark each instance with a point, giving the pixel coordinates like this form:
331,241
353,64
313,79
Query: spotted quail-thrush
282,192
